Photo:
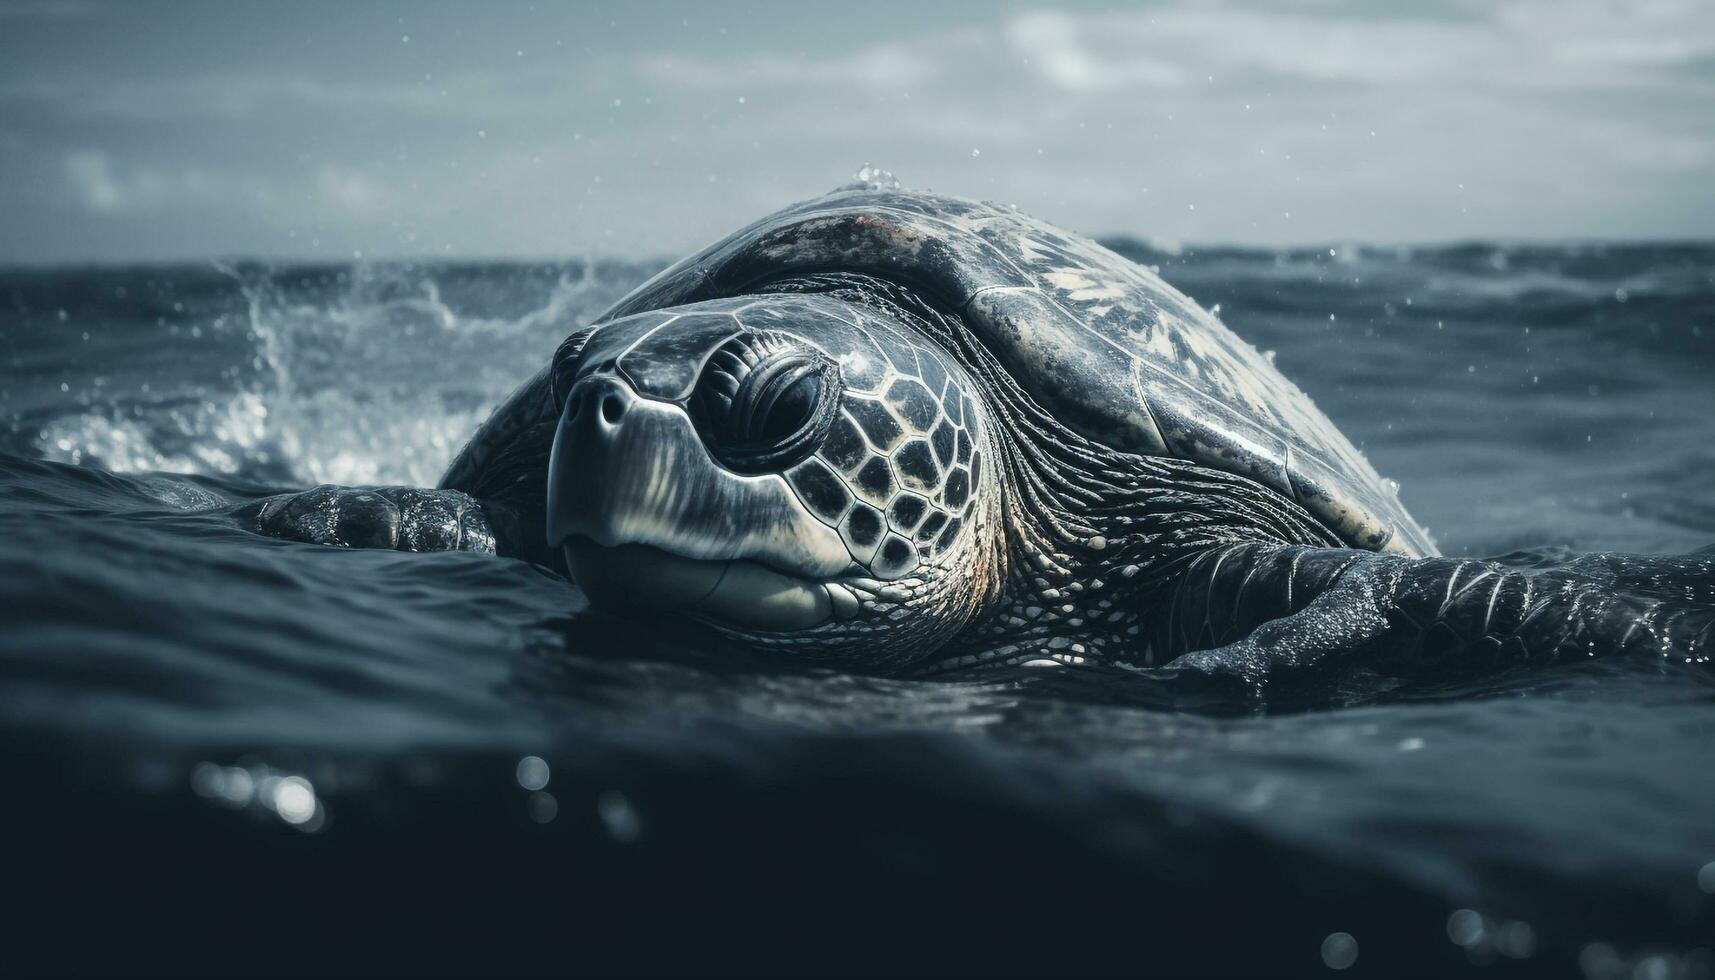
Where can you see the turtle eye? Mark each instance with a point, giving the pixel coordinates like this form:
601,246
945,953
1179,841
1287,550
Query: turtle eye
781,402
764,404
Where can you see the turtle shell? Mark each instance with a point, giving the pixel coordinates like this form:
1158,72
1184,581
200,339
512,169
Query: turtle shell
1106,345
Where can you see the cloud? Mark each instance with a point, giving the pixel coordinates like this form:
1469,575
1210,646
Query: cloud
1530,45
351,192
889,65
1559,45
103,186
207,96
1054,44
1192,120
47,9
91,177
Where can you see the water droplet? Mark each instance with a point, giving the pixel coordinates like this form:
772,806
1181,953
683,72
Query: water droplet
1516,940
542,807
237,786
1339,950
619,816
1600,960
294,799
1465,927
532,772
207,780
876,179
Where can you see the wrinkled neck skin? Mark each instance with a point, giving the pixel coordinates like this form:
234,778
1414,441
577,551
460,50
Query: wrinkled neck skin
1079,560
1097,545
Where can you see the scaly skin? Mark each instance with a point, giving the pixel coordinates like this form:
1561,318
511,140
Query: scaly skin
402,518
1251,610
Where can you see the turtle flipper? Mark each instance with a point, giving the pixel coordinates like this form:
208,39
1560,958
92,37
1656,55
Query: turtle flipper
1284,609
402,518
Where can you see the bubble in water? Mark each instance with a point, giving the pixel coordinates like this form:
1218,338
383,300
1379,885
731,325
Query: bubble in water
294,799
542,807
207,779
532,772
291,798
1516,939
1465,927
619,816
1339,950
238,787
1599,961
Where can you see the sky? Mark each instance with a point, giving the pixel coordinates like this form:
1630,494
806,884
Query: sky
166,131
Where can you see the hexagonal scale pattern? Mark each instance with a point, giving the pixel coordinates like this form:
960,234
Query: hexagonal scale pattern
917,467
913,403
861,531
820,490
896,472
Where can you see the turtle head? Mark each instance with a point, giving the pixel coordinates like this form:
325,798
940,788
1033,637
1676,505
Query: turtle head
791,470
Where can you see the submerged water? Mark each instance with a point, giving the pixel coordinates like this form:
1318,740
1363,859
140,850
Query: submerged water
228,754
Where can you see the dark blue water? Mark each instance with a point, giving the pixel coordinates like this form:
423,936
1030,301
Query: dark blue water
230,754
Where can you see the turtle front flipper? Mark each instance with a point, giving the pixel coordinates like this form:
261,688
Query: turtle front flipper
402,518
1287,609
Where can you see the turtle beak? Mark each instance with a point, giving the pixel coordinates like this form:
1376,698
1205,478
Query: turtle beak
590,432
646,518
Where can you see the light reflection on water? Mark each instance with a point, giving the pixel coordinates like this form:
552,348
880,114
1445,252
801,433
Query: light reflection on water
290,797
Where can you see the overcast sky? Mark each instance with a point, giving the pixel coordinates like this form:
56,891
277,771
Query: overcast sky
178,130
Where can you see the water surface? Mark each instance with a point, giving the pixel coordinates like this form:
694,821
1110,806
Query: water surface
232,754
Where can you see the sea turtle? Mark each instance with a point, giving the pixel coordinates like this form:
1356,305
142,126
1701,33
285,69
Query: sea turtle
910,432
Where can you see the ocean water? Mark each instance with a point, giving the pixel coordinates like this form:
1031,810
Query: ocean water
230,754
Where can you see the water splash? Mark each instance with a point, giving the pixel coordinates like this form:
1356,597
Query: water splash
362,375
873,178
